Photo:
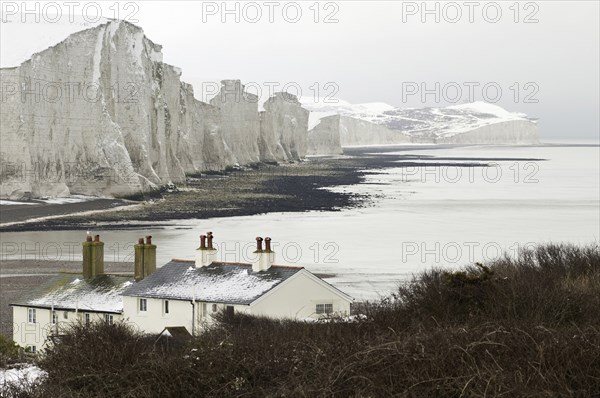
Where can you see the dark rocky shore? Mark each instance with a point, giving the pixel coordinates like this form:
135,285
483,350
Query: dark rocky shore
259,189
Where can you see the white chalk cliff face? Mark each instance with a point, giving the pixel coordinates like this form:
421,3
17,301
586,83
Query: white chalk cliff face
378,123
101,114
240,125
283,129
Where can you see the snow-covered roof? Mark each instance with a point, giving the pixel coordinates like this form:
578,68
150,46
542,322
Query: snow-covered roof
227,283
73,292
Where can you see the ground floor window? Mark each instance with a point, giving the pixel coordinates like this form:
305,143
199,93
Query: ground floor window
324,308
31,315
66,314
87,319
54,318
108,318
214,308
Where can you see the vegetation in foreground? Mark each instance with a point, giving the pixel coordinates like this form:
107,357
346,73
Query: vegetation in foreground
519,327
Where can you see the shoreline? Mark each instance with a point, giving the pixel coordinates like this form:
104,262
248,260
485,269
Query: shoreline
261,189
296,187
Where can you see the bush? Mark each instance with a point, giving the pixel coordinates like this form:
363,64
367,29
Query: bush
9,351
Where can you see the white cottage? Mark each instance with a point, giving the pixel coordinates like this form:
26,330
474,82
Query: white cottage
182,293
187,293
68,298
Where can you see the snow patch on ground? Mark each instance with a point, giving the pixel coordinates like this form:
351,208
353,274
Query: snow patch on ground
28,375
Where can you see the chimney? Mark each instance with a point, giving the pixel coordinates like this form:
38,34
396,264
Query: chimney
144,259
93,257
264,258
206,254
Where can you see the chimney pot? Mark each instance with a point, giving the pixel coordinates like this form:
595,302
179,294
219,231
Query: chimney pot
144,258
93,257
206,254
264,258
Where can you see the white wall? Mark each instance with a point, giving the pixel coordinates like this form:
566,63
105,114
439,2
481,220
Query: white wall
181,313
297,298
36,334
154,320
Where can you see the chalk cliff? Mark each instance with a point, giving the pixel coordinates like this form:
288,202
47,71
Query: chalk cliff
100,113
382,124
283,129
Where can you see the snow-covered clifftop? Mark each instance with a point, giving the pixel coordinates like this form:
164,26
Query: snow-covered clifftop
100,113
378,123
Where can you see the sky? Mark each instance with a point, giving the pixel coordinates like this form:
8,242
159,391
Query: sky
541,58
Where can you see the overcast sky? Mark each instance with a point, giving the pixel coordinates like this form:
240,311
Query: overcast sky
543,56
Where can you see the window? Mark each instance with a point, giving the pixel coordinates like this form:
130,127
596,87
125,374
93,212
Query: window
54,318
31,316
214,308
87,319
204,310
31,348
66,314
324,308
166,307
143,305
229,312
108,318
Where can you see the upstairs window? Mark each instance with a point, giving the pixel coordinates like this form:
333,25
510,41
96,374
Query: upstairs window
54,318
143,305
324,309
31,315
166,307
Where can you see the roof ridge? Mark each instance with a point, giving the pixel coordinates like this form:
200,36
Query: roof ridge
238,263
